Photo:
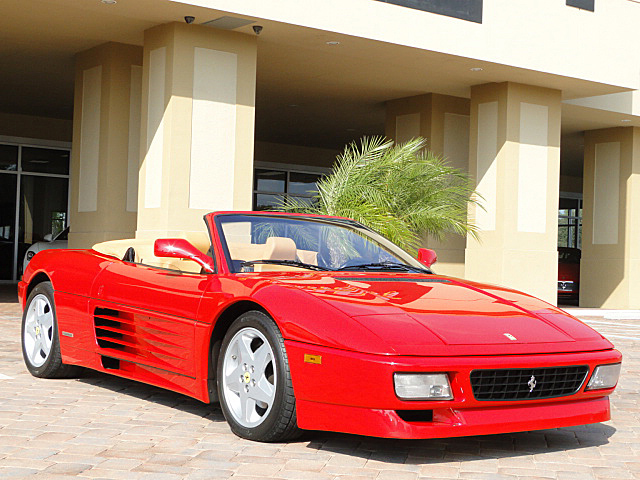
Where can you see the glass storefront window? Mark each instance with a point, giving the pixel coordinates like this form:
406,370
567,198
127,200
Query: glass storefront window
263,201
303,183
271,186
9,157
45,160
8,185
270,181
570,223
34,195
43,207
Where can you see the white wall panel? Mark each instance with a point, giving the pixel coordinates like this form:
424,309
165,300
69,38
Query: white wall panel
135,99
213,129
487,165
456,140
606,195
155,129
533,159
90,140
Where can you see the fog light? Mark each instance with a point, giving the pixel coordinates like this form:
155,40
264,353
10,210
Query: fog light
422,386
30,255
604,376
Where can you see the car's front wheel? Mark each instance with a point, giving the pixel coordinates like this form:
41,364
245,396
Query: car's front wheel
40,341
254,381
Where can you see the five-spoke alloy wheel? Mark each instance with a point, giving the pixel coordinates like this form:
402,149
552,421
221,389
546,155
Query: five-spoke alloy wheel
40,341
254,383
38,330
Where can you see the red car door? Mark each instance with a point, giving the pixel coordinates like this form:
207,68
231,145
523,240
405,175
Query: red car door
144,320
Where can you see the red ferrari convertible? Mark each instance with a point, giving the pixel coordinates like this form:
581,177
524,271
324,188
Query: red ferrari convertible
307,322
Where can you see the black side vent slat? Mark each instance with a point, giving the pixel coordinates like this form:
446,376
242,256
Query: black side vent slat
110,363
516,383
106,322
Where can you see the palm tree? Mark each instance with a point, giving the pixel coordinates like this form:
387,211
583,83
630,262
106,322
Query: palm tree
403,191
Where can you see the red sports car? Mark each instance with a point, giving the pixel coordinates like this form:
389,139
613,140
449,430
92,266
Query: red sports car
568,274
307,322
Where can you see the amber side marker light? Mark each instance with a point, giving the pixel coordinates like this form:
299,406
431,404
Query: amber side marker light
604,376
313,358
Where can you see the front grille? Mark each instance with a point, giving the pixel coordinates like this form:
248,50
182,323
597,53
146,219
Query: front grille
527,383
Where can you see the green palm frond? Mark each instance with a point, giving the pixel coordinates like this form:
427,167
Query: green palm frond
403,191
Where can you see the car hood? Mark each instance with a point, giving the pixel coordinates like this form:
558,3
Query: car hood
415,314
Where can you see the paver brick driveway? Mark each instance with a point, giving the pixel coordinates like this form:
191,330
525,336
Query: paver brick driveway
100,426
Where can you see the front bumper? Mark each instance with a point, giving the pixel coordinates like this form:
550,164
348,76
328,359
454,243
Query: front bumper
568,289
353,393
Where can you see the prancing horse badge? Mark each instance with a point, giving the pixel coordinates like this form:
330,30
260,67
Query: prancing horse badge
509,336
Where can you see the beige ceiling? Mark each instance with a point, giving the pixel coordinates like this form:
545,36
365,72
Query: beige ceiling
308,92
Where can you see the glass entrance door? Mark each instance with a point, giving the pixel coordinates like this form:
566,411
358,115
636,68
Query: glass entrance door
34,197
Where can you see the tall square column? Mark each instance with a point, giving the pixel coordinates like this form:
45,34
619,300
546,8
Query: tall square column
610,265
106,144
197,126
444,121
515,157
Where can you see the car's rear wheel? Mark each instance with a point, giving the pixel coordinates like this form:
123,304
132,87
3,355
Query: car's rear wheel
40,341
254,381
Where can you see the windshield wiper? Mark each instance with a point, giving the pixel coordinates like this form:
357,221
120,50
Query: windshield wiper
291,263
385,266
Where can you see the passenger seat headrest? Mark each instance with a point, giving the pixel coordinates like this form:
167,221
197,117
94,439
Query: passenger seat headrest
280,248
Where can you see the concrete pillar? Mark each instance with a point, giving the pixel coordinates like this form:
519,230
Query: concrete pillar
444,121
197,126
515,156
105,153
610,266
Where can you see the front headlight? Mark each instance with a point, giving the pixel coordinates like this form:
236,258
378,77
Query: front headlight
422,386
604,376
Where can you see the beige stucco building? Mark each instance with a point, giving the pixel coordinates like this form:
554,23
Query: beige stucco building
136,117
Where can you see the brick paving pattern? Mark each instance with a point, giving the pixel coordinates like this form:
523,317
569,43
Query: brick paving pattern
103,427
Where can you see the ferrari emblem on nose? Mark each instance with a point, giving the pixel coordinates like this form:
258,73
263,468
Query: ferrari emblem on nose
532,383
509,336
247,377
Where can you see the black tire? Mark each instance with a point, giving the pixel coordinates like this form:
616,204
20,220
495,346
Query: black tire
52,366
279,423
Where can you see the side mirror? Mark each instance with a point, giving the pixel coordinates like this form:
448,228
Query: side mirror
48,237
181,248
427,256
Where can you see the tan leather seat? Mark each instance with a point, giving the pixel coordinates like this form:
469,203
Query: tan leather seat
144,254
275,248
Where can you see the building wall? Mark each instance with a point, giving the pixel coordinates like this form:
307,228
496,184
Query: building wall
557,38
27,126
294,154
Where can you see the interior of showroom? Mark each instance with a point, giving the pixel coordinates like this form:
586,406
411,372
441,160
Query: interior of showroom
92,89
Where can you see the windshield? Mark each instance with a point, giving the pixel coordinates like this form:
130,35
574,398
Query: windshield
280,243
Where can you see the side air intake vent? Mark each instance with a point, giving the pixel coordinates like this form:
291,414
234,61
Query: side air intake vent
109,331
139,339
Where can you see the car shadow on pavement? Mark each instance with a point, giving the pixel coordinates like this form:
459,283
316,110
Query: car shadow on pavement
462,449
390,451
153,394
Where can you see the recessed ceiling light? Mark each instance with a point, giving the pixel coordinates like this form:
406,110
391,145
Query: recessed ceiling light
109,2
333,42
476,69
293,105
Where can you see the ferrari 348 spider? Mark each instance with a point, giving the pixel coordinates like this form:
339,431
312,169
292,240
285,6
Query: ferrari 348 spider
308,322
